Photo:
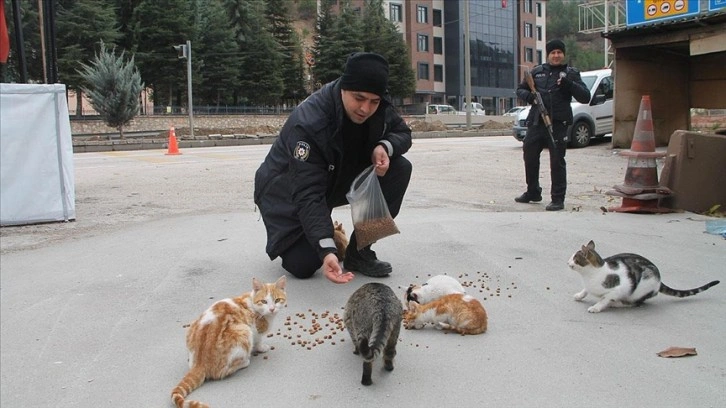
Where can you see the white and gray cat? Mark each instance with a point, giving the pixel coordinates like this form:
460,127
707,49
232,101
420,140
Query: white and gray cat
621,280
373,316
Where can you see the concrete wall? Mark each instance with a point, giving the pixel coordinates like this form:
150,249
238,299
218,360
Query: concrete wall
640,71
163,122
695,169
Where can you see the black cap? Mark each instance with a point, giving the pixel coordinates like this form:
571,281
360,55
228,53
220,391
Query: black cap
366,72
555,45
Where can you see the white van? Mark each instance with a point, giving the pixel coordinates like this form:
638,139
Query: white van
594,119
476,109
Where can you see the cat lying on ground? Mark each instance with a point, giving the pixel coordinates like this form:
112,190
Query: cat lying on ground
458,312
620,280
433,289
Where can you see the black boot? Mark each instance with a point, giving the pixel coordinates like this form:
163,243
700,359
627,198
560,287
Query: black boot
555,205
527,197
364,261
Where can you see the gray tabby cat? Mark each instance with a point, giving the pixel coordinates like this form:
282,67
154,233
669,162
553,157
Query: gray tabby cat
621,280
373,317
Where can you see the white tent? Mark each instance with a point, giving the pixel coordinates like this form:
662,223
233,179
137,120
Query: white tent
36,155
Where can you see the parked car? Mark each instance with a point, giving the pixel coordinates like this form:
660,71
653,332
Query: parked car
441,110
514,111
594,119
476,109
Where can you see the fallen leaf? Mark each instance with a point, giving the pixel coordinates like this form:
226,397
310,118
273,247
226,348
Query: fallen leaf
678,352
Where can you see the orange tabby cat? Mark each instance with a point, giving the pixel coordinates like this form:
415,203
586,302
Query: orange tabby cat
341,240
222,340
457,311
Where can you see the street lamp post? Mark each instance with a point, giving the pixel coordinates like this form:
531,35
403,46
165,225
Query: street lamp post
185,51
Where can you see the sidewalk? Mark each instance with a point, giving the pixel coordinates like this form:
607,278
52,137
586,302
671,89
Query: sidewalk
94,316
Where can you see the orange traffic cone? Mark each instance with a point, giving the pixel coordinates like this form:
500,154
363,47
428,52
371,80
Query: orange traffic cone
640,191
173,147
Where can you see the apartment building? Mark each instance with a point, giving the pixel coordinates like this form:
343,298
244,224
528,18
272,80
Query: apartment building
531,33
505,36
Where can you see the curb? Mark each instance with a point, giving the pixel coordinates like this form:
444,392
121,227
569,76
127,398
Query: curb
90,146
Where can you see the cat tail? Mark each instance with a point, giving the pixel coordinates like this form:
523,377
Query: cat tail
378,339
191,381
664,289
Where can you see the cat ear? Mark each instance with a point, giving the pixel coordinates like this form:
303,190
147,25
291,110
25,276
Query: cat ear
591,245
256,284
280,283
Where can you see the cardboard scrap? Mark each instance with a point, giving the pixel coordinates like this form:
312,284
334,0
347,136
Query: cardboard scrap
677,352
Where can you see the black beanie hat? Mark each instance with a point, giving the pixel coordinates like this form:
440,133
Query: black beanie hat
366,72
555,45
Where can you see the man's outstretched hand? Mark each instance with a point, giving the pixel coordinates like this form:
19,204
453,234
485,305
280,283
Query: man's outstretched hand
333,271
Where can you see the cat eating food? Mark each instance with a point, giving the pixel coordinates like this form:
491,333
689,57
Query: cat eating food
222,340
621,280
373,316
433,289
458,312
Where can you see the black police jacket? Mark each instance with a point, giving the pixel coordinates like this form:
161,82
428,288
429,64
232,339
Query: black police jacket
556,98
294,184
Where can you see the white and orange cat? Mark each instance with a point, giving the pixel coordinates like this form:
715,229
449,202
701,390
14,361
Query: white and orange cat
458,312
222,340
433,289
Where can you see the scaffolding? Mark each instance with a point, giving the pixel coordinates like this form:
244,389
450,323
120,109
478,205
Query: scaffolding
601,16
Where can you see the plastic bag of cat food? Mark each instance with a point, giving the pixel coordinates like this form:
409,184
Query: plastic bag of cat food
371,218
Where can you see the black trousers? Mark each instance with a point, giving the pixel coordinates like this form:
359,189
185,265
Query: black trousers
536,140
302,260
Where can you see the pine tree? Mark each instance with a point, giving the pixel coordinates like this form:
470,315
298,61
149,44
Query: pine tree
217,56
80,28
159,25
260,71
338,36
113,87
324,69
278,14
382,36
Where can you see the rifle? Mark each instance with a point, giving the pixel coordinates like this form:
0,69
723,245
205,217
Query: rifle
540,104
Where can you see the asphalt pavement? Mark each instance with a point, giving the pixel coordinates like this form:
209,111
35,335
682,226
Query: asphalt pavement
93,311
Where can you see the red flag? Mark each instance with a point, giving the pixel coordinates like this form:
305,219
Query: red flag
504,3
4,39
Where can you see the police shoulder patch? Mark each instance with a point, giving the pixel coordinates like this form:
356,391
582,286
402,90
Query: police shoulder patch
302,151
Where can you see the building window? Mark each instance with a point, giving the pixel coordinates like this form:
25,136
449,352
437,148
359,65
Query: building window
539,56
396,13
423,43
437,18
539,9
423,70
422,14
438,45
528,30
539,33
438,73
528,55
527,6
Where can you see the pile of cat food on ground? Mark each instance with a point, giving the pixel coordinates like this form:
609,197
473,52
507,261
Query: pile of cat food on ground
312,329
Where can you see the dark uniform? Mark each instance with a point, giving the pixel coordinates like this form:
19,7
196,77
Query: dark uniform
311,167
557,100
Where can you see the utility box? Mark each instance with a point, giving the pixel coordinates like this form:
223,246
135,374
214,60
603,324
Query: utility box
695,169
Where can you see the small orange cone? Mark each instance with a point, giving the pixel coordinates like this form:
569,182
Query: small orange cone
641,191
173,147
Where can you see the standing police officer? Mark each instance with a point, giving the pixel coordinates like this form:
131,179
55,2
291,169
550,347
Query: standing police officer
557,84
